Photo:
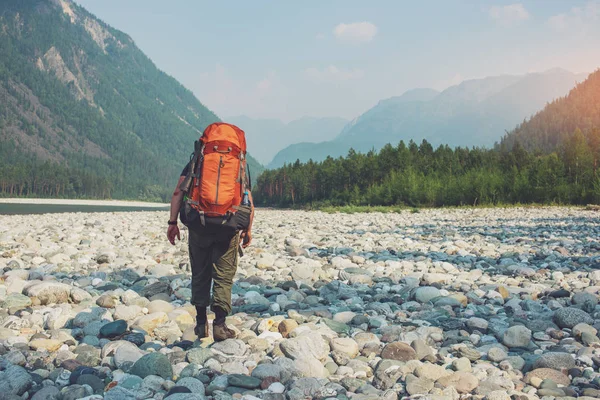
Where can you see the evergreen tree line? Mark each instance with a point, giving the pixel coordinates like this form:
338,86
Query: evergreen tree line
419,175
51,180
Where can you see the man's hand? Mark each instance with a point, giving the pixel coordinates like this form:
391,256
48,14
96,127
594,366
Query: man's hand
246,238
173,232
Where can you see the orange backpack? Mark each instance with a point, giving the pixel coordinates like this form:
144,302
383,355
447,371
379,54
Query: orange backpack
218,173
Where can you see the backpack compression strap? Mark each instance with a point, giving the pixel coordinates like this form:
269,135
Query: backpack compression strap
223,147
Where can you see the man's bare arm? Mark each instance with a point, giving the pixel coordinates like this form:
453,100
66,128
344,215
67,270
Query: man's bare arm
252,213
247,234
176,199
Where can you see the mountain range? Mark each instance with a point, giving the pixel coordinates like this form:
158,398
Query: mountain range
80,99
265,137
551,158
473,113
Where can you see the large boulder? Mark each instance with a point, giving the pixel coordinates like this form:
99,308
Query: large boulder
517,336
548,373
570,316
308,344
398,351
153,364
149,322
14,380
49,292
463,382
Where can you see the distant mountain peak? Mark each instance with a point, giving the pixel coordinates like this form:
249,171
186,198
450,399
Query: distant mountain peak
304,118
413,95
419,94
266,137
556,70
476,112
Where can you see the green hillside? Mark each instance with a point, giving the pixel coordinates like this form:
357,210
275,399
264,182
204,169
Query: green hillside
83,112
550,128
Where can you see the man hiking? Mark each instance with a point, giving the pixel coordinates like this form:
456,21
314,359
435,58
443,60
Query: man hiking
213,200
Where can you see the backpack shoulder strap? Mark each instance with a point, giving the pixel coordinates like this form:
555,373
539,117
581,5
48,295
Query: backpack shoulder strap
248,177
194,171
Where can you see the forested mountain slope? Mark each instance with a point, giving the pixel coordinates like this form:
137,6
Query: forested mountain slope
84,112
547,130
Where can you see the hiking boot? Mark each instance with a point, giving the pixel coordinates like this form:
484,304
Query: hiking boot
201,330
222,332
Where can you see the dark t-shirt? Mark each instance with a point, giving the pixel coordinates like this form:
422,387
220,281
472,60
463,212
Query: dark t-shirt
185,169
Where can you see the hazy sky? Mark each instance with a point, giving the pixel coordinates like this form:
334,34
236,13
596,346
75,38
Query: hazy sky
287,59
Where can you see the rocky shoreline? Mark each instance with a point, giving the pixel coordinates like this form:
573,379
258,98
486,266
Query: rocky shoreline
82,202
443,304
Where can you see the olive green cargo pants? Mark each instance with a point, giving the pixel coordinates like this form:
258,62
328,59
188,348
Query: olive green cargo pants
214,260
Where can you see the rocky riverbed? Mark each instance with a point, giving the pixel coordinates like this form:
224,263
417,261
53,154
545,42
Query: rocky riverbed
443,304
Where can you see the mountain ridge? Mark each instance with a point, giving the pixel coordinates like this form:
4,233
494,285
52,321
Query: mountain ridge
267,136
560,120
80,95
476,112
